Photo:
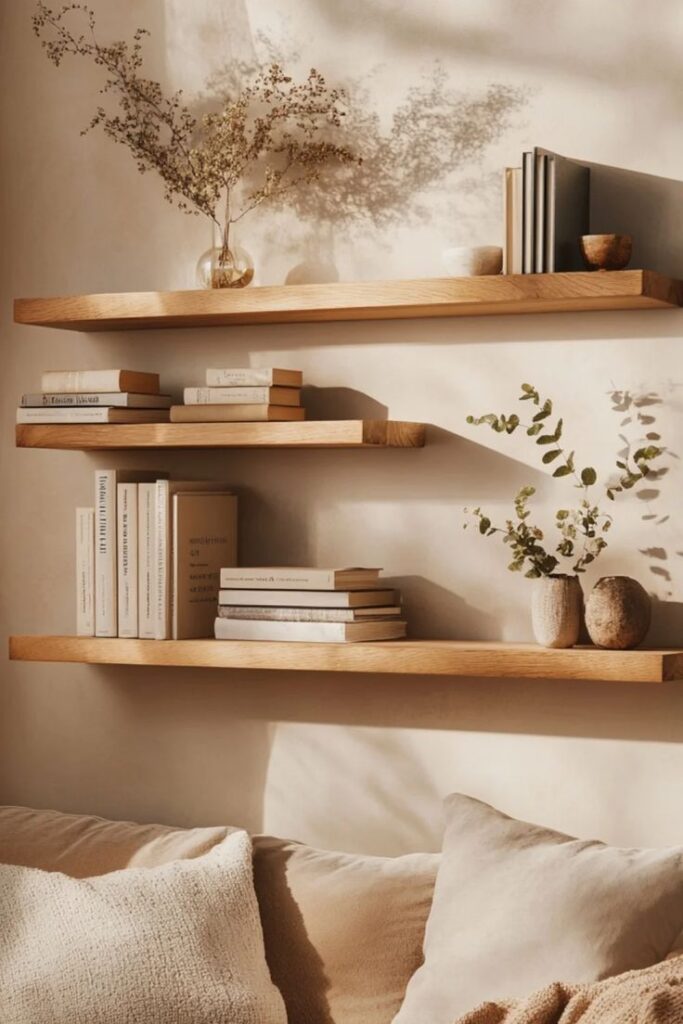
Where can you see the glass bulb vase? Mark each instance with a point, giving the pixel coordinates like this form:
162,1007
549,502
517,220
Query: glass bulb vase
224,265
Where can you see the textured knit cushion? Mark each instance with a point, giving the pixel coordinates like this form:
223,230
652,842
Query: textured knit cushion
343,932
176,944
82,846
517,906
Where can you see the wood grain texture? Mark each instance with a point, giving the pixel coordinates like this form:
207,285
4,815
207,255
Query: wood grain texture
405,657
362,300
306,434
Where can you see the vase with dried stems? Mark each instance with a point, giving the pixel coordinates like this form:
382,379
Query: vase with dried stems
270,137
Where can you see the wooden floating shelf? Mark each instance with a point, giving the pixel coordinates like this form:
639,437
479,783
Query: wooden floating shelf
410,657
308,434
362,300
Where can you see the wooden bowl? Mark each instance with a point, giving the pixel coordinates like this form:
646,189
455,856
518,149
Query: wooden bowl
606,252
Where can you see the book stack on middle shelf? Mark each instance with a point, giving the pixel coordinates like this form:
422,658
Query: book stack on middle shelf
307,604
95,396
243,395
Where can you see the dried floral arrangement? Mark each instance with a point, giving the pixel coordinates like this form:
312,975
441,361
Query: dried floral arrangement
581,529
275,135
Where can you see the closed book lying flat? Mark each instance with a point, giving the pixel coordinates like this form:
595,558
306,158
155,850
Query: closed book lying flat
235,413
236,611
298,578
309,632
91,414
100,380
242,396
121,399
253,377
308,598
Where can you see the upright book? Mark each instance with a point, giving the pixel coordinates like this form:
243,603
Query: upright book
204,540
127,557
253,377
106,563
165,489
85,571
297,578
53,381
513,204
147,560
567,211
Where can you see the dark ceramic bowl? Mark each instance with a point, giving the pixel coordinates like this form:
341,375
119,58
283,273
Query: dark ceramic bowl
606,252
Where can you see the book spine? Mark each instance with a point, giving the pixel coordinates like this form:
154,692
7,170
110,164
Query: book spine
286,614
85,571
56,415
216,378
269,579
162,571
127,554
147,554
63,398
507,218
234,629
105,553
550,216
228,396
539,213
528,193
80,380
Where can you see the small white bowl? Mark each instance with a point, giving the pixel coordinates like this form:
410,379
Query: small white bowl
473,261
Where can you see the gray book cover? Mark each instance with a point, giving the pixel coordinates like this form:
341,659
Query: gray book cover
567,211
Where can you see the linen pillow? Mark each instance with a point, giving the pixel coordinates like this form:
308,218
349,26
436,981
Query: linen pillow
177,944
517,906
343,932
83,845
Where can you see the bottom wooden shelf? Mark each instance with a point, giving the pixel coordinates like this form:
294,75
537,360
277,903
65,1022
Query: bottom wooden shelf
477,659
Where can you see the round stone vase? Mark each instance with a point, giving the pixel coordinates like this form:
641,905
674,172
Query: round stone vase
557,610
618,613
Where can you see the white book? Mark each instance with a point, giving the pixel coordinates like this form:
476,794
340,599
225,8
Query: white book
91,414
165,489
237,611
242,396
308,632
539,212
127,557
85,571
147,560
106,565
120,399
290,577
308,598
54,381
253,377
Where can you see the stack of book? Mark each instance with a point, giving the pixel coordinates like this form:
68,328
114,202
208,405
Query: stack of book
546,212
149,555
243,395
318,605
95,396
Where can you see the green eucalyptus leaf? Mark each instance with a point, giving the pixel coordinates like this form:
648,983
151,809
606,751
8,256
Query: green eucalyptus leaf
534,429
545,439
484,524
588,476
562,471
551,455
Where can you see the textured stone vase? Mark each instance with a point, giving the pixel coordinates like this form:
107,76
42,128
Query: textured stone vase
618,613
557,610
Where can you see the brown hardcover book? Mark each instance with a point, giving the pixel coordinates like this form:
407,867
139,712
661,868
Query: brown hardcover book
235,413
100,380
204,540
291,577
250,376
242,396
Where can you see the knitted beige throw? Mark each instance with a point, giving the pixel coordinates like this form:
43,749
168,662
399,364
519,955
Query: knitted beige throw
650,996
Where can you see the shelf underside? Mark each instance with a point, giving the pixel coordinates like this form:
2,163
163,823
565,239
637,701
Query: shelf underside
473,659
362,300
307,434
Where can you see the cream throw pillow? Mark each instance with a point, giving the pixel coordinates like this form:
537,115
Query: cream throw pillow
83,845
517,906
343,932
177,944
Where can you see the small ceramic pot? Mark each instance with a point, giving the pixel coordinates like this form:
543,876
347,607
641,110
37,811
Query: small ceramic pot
473,261
618,613
557,610
606,252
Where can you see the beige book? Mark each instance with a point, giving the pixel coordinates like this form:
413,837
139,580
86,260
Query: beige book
290,577
100,380
237,611
91,414
85,571
127,557
242,396
309,598
235,413
309,632
251,376
204,540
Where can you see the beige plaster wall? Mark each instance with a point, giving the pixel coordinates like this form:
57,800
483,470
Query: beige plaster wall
359,763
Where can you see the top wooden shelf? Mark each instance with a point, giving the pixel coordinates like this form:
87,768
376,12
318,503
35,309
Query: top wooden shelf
361,300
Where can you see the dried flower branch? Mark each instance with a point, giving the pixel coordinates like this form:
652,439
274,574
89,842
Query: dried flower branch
586,524
273,131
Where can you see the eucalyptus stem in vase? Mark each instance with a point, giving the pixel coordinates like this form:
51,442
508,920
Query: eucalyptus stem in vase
557,604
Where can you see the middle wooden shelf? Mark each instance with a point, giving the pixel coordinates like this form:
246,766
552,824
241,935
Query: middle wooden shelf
306,434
